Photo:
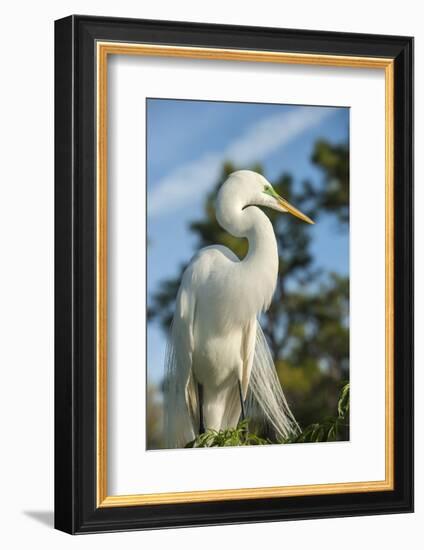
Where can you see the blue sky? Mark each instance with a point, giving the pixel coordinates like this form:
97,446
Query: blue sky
187,141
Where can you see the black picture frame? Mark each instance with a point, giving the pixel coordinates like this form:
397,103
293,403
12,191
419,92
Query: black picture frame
76,510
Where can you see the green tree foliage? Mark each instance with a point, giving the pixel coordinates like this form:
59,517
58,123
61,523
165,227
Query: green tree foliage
307,324
334,161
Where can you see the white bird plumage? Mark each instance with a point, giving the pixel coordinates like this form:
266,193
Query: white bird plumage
216,345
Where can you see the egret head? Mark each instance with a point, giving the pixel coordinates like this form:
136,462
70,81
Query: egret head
255,190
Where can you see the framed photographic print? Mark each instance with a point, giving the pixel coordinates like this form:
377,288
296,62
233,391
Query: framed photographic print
234,269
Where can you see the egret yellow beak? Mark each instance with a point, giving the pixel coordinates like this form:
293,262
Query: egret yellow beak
292,210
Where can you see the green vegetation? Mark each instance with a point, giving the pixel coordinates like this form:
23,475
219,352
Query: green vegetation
233,437
307,325
332,428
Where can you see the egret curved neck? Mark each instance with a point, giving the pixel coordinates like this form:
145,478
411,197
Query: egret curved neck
261,262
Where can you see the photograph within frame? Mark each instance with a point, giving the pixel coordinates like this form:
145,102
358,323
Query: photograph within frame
192,147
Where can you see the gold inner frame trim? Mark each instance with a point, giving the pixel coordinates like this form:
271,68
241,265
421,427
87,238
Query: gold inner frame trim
103,50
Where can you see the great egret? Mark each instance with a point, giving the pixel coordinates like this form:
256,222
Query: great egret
216,350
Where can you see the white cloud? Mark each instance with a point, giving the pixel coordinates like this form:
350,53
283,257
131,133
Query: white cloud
182,185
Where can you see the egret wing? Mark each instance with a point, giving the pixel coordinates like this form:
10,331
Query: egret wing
180,392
